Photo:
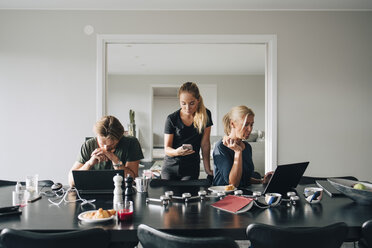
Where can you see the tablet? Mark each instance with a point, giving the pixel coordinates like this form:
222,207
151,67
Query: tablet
328,188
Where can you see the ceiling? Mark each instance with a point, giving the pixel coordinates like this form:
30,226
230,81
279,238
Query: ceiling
186,59
188,4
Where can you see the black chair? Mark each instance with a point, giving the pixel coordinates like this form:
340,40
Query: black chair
265,236
41,183
366,241
152,238
163,182
92,238
311,180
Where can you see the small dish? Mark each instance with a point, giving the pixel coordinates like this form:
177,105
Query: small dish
88,220
216,189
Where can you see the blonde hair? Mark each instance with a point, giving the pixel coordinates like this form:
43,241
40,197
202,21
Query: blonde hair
236,113
109,127
201,117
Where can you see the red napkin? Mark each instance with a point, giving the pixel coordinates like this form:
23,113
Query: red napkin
232,203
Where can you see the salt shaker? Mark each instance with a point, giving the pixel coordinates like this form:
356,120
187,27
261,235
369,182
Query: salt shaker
118,192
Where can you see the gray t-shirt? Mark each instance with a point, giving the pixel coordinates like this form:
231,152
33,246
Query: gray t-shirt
127,150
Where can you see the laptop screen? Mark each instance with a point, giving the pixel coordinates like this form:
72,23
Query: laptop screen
286,178
96,181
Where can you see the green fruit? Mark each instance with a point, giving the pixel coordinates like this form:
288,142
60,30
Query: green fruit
359,186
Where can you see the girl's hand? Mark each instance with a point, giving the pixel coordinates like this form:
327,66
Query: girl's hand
209,172
267,177
184,152
234,144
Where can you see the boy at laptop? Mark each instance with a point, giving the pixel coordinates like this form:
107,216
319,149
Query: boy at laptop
232,156
110,149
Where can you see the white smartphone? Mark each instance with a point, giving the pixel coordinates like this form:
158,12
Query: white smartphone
187,146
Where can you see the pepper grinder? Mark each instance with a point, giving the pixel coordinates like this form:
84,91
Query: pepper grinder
129,190
118,192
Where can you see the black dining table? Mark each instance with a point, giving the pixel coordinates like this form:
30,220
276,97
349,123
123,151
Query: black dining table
195,218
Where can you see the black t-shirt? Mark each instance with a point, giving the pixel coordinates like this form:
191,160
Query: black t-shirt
185,135
128,149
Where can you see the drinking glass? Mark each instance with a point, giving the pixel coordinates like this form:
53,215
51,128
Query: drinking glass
142,184
32,184
19,198
125,211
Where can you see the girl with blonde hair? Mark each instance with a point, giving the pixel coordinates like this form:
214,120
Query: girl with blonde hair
232,156
187,130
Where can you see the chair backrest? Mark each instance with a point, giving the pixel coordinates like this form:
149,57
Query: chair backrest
367,233
7,183
152,238
265,236
41,183
92,238
164,182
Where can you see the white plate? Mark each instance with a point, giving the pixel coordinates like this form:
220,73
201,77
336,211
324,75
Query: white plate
217,189
87,220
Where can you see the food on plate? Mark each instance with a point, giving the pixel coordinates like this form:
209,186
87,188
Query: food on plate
359,186
100,214
229,187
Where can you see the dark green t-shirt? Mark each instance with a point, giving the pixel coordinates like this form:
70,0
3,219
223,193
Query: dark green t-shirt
127,150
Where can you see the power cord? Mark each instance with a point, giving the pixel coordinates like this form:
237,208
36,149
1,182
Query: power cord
64,195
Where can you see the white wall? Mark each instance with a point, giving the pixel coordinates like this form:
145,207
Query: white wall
48,75
134,92
163,106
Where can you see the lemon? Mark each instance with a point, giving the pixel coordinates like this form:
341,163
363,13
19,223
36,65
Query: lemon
359,186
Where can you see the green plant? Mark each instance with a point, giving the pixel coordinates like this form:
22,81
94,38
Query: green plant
131,116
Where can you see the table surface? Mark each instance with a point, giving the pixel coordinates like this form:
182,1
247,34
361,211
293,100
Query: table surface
192,219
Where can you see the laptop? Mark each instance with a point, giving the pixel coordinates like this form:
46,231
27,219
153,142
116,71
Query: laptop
285,178
96,181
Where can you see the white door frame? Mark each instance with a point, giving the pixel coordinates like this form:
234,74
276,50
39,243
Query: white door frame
270,74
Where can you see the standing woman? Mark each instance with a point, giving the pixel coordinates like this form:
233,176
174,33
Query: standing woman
232,156
189,125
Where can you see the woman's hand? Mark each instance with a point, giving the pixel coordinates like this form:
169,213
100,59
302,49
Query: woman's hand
184,152
234,144
209,172
267,177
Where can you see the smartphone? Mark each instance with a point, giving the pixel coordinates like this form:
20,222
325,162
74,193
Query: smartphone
10,210
187,146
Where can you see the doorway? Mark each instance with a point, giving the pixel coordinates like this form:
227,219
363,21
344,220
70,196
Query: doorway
269,41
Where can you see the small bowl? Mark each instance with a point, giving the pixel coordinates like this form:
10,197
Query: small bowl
345,186
272,199
313,194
